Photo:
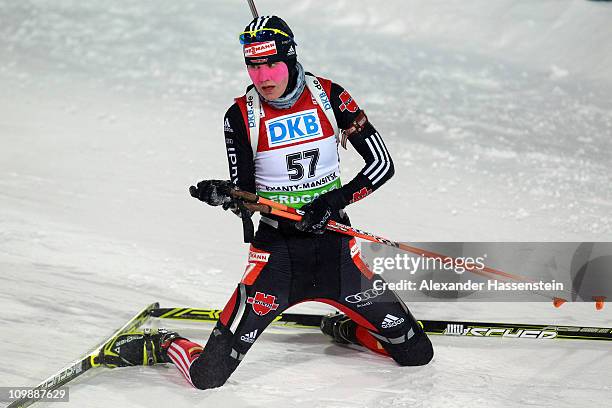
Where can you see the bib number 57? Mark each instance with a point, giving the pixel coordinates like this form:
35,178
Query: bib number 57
295,168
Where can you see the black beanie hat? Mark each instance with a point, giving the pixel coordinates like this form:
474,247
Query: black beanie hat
270,47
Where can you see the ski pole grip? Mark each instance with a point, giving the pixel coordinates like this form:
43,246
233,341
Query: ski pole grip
245,196
265,206
261,208
266,209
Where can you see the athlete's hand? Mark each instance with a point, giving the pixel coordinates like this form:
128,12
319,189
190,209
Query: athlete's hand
319,211
217,192
213,192
237,208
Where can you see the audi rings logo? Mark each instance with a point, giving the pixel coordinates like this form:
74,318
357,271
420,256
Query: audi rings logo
365,295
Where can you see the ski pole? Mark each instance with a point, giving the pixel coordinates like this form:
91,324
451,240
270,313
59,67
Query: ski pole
253,8
267,206
272,207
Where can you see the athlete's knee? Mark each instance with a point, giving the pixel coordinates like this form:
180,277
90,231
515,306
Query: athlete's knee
206,379
418,353
217,361
411,348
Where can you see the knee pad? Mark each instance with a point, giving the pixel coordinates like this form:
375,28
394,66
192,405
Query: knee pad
217,361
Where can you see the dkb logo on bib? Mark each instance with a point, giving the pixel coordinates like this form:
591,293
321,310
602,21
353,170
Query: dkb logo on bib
294,127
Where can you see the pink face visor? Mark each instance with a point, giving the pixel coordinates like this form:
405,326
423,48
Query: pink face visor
262,73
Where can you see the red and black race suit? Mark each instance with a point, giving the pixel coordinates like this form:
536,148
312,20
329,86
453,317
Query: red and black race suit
287,267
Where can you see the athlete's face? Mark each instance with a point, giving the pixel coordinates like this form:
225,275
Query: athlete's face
270,79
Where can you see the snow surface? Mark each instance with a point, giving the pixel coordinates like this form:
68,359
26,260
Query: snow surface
499,118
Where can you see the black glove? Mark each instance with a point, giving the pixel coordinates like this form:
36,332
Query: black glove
217,192
213,192
238,208
319,211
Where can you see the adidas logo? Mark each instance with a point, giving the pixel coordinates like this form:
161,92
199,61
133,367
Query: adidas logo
391,321
291,51
249,337
227,127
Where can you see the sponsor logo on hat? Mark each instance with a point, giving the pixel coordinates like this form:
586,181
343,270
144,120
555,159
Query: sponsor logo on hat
260,49
291,51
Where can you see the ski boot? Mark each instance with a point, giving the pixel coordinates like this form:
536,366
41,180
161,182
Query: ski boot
145,347
340,328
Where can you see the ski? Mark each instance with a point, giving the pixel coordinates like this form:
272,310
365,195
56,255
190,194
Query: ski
301,320
433,327
212,315
78,367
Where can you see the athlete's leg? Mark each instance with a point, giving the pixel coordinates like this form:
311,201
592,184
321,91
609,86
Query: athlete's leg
380,320
259,298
